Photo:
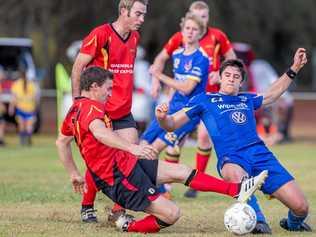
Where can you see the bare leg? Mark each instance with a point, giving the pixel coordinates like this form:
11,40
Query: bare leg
292,196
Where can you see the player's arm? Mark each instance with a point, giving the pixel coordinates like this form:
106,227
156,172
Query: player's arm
281,85
170,122
185,87
158,66
81,62
63,144
108,137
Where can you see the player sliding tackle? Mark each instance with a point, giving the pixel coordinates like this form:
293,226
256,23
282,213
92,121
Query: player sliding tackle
128,173
229,119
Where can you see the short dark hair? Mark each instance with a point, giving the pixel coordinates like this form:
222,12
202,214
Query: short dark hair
94,75
234,63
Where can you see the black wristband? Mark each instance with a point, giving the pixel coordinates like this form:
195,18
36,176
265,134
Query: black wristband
291,74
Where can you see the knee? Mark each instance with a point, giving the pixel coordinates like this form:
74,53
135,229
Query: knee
232,176
173,215
301,207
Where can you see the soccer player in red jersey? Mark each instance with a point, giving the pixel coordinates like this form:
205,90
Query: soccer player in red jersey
216,44
113,47
128,173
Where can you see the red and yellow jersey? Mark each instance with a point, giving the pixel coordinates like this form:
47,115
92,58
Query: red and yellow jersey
111,52
98,157
214,42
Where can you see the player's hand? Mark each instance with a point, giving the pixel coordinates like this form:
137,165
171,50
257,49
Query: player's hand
78,184
161,111
300,59
213,78
144,151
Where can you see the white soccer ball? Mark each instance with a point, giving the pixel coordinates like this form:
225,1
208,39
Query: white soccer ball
240,219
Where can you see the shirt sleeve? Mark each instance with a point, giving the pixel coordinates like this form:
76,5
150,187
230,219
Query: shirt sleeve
93,42
199,68
256,100
173,43
223,45
89,113
223,40
67,127
194,108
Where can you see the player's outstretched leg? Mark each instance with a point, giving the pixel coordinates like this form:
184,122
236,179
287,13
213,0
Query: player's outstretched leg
179,173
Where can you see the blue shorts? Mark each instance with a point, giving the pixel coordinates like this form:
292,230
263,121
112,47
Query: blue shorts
255,159
154,131
24,115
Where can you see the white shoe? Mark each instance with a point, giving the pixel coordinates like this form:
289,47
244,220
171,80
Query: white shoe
250,185
123,222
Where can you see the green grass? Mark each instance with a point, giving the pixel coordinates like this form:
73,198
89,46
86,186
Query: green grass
36,198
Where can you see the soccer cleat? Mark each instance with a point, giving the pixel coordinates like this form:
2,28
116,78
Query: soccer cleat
250,185
262,228
115,215
190,193
303,227
123,221
88,215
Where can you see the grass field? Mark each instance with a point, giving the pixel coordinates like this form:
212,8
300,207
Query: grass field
36,198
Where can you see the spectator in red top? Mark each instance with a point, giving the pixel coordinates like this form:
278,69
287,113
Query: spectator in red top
113,46
217,46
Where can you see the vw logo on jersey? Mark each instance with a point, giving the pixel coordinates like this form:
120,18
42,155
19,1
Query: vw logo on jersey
239,117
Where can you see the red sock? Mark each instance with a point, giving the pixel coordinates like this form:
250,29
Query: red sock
88,197
147,225
117,207
208,183
201,158
172,158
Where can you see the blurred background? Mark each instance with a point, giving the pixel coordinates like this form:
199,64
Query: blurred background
45,30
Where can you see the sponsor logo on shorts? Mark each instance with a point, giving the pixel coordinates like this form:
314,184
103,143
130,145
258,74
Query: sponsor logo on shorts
151,191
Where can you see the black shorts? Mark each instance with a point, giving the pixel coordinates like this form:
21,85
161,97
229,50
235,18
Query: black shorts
124,122
136,191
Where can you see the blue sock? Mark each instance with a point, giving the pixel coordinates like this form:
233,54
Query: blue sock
293,221
253,202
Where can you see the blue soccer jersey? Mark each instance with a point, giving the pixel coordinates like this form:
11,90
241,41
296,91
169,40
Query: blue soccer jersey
190,67
186,67
230,122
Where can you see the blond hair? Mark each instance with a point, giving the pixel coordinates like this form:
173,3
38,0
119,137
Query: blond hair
196,19
128,4
199,5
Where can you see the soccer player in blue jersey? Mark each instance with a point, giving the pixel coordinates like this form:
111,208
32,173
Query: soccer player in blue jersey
229,119
190,69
